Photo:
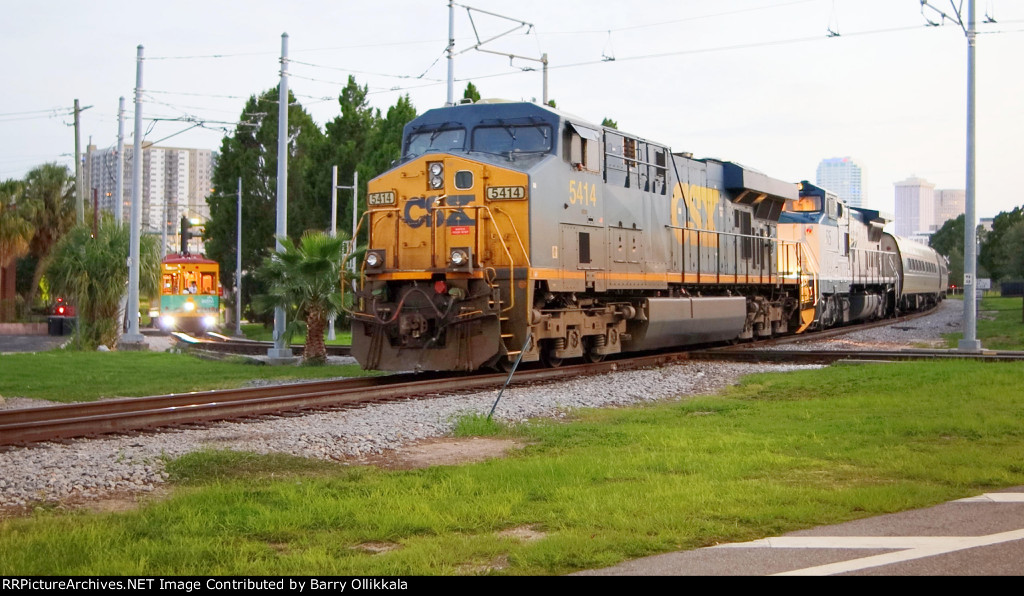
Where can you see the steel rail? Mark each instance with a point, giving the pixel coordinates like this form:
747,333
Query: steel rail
29,425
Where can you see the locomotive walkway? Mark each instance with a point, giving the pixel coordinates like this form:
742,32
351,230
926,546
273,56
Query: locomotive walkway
981,535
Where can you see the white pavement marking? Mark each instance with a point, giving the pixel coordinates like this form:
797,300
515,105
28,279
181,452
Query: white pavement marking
953,543
909,547
994,498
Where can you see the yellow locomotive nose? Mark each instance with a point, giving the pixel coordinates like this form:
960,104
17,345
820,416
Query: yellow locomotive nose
448,244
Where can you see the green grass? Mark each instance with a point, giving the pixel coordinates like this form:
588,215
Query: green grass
778,453
1000,324
257,332
68,376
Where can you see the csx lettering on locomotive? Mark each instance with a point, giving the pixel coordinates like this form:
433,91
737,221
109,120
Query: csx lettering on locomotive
417,211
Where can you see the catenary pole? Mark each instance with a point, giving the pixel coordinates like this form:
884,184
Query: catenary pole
450,51
280,350
970,342
133,337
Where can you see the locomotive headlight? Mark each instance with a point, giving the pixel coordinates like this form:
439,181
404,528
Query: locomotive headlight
459,259
436,171
375,259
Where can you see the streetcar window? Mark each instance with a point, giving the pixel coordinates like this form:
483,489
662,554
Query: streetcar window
422,142
509,139
804,205
209,282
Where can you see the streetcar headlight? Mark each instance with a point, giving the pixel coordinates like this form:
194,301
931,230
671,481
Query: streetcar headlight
167,321
436,171
189,306
459,259
209,321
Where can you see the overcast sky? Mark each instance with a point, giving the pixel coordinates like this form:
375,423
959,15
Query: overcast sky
759,82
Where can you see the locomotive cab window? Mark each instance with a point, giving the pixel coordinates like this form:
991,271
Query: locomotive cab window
807,204
510,140
441,139
584,148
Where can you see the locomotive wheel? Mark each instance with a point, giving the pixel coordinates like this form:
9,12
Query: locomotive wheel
589,353
547,356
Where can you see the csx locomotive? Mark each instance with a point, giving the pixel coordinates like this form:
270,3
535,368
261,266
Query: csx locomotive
515,230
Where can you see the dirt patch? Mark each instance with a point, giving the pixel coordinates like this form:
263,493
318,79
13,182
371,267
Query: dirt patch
377,548
110,502
524,533
443,452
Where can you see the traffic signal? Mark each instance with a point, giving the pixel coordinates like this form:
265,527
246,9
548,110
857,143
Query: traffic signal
185,235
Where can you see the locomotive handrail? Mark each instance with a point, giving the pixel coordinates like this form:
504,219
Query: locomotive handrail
736,237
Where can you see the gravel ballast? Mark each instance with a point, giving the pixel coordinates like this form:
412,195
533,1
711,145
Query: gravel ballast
90,469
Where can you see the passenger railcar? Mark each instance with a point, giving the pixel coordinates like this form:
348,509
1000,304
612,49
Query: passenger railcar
189,293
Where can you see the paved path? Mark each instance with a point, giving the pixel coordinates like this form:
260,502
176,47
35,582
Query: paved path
981,535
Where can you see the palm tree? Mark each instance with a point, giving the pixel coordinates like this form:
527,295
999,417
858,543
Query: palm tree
50,208
15,234
306,278
92,272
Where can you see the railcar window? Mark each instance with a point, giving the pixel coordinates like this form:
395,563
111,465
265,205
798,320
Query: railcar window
421,142
803,205
512,139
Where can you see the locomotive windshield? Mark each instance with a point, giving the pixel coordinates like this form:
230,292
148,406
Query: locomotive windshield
510,139
441,139
804,204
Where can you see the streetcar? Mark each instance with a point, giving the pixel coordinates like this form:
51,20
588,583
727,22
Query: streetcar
190,293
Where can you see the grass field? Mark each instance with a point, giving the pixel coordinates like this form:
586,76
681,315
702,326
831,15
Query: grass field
778,453
1000,324
257,332
68,376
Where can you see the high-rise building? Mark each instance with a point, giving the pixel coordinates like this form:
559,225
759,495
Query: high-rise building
175,183
846,177
915,207
949,204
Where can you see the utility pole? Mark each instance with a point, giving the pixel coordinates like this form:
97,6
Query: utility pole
238,266
119,177
970,341
79,199
280,350
133,339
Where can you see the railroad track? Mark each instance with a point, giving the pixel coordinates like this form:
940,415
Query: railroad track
32,425
213,342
